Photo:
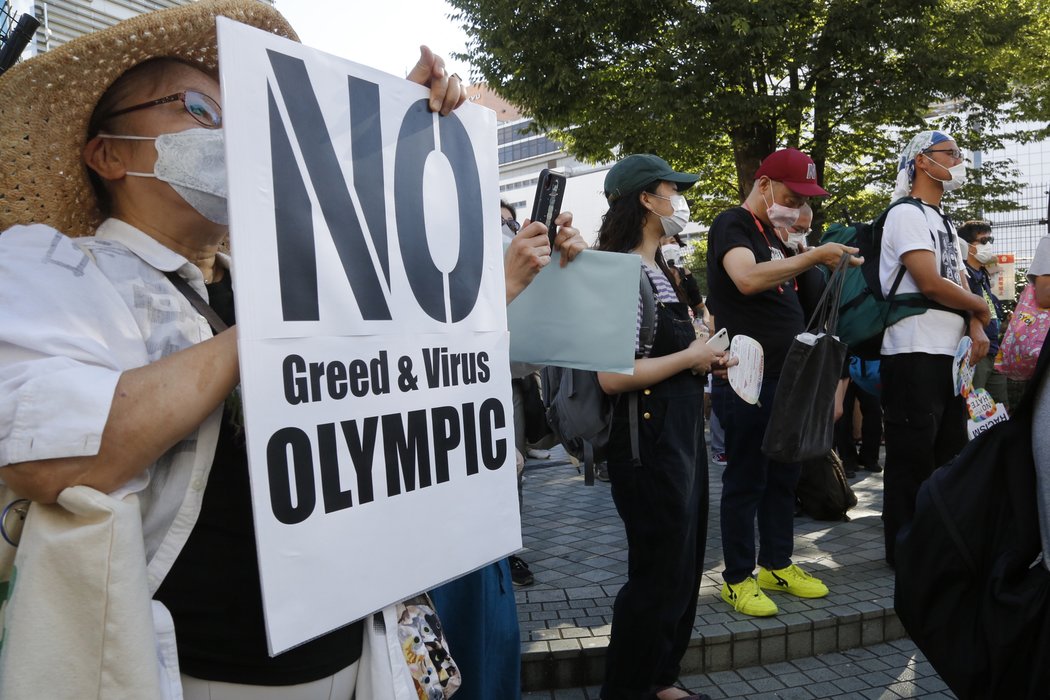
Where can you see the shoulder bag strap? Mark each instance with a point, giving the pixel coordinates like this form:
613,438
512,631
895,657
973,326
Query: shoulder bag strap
197,301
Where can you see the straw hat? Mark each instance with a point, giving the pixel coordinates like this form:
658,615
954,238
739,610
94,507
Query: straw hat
47,101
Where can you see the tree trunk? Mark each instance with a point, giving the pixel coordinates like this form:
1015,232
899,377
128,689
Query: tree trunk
751,143
821,139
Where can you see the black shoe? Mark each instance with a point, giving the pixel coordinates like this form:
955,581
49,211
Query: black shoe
850,469
601,472
871,465
519,572
655,693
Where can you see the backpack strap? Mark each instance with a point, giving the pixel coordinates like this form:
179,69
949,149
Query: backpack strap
647,295
891,297
646,336
632,415
588,463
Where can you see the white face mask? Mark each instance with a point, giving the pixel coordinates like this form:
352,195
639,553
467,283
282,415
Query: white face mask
956,179
779,215
796,241
983,253
675,223
193,162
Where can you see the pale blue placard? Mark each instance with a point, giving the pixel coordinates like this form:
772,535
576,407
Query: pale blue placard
582,316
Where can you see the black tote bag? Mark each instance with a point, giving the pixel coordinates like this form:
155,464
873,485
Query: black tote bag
801,425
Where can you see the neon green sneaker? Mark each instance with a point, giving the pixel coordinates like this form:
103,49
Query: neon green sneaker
748,598
792,580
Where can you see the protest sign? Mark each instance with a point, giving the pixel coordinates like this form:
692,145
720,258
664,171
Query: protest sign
583,316
372,333
1004,277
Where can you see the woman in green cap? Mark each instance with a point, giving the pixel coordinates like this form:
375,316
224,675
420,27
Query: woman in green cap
661,494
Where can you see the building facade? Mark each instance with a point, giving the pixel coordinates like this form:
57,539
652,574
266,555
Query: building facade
525,150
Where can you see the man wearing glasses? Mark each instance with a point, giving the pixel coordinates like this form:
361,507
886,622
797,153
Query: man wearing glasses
925,420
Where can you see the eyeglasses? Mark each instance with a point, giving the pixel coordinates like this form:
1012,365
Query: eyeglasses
201,107
511,224
982,241
953,152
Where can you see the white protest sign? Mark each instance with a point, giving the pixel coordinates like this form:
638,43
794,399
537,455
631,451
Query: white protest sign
372,332
962,370
1004,277
584,315
984,411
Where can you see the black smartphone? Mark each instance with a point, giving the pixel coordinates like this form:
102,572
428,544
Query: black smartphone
550,189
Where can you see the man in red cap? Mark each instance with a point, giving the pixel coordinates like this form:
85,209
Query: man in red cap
753,276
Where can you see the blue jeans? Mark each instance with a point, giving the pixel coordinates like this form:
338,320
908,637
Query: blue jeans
718,435
753,486
480,618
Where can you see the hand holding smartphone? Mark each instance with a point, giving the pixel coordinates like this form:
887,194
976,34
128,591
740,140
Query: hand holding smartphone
550,190
719,342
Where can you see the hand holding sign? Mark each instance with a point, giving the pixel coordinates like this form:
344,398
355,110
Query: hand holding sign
446,91
984,411
530,251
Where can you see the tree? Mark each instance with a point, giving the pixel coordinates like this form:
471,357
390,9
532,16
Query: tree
715,85
695,259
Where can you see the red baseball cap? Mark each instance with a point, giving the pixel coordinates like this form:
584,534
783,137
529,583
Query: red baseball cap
794,169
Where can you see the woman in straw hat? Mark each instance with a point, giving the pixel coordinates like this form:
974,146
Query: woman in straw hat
111,378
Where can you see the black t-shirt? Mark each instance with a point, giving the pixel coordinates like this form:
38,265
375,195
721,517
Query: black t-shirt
213,589
773,317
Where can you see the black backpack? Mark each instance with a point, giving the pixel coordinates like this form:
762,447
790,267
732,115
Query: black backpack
823,491
864,311
971,587
579,412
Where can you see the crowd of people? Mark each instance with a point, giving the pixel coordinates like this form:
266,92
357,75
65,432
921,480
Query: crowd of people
113,379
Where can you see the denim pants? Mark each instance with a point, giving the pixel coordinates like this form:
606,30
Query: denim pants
753,487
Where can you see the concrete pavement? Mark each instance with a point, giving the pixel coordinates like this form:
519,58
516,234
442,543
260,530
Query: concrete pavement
575,546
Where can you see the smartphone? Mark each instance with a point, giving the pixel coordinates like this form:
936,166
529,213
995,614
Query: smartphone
550,189
719,342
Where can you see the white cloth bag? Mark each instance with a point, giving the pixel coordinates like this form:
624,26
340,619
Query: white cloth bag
79,620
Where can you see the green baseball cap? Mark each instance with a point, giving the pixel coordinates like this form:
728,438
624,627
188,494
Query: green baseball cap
635,172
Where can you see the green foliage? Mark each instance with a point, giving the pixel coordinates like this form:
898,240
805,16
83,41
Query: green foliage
715,85
695,258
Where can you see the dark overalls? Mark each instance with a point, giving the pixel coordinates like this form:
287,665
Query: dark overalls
663,503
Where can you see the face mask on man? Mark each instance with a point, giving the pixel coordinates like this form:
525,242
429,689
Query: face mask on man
956,176
779,215
676,221
796,241
983,253
193,162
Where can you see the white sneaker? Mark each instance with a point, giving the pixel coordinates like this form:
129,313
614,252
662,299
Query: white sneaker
537,454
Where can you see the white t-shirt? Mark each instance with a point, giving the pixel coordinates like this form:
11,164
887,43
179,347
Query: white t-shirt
907,228
1040,260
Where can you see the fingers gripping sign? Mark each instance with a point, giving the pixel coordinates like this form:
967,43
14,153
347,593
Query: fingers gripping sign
446,91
